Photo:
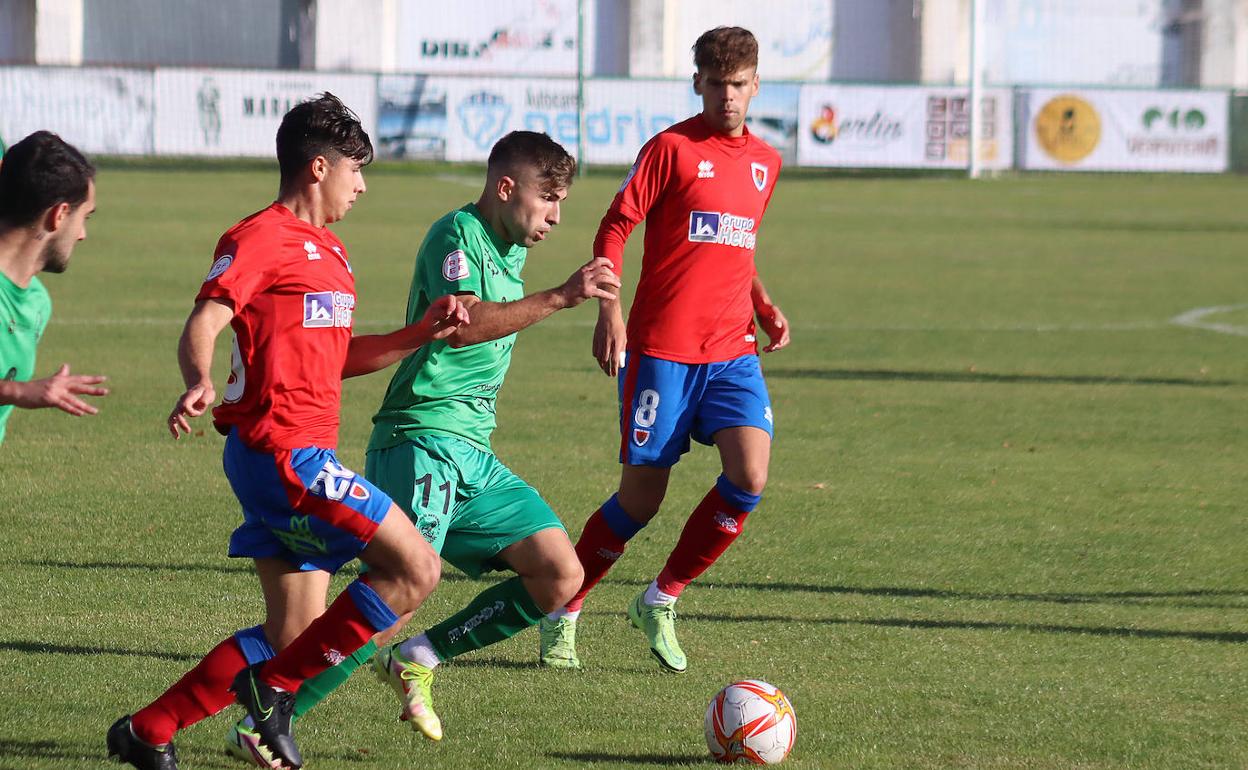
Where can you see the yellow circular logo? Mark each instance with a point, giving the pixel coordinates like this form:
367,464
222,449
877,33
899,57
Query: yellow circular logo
1068,128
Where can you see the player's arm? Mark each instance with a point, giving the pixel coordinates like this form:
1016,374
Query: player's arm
372,352
61,390
195,348
492,320
769,316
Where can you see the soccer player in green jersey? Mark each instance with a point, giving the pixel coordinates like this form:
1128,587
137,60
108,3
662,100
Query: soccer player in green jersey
47,191
430,447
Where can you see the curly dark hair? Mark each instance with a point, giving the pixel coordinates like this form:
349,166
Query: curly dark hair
320,126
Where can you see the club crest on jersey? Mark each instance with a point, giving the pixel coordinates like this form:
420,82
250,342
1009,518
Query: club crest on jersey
219,267
455,266
328,309
640,437
758,172
725,229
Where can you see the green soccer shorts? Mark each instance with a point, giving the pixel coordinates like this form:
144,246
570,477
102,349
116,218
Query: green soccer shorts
466,504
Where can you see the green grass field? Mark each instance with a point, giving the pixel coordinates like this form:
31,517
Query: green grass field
1005,526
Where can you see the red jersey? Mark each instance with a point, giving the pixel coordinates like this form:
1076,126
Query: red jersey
293,295
702,195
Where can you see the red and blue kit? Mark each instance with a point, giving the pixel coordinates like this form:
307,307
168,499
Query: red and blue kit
692,363
293,296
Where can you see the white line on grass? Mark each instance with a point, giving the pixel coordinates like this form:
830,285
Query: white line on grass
1195,319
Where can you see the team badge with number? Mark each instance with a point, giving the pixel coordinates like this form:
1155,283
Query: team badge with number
455,266
758,172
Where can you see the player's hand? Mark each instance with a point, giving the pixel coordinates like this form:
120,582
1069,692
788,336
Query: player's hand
444,317
776,326
61,391
610,338
194,402
594,279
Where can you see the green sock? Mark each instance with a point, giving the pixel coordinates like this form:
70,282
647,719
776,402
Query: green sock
318,688
497,613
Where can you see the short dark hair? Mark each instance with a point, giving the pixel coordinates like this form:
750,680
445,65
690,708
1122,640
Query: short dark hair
39,172
555,167
726,50
320,126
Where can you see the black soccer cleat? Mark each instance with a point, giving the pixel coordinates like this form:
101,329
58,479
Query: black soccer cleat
272,711
126,747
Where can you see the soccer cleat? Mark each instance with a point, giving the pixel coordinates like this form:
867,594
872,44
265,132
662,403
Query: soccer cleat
126,747
272,712
412,682
242,742
559,643
659,626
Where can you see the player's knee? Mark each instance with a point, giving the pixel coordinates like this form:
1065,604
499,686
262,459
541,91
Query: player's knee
751,480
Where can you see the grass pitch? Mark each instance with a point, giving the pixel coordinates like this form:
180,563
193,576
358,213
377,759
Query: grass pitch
1004,529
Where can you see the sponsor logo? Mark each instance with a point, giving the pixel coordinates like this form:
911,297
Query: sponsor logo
219,267
948,129
768,416
876,129
328,309
640,437
1173,132
706,170
726,229
1068,128
726,523
310,248
300,538
483,116
494,610
208,100
455,266
334,657
758,172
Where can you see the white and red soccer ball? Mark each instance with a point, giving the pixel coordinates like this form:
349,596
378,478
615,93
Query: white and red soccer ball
752,721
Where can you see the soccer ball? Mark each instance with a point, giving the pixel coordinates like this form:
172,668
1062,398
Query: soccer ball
750,720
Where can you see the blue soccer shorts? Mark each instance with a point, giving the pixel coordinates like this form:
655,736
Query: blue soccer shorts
663,404
301,505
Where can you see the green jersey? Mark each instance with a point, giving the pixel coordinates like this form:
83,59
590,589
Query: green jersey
440,389
24,315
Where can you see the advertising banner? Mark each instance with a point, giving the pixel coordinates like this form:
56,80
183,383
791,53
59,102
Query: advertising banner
905,127
488,37
411,117
1091,130
96,110
480,110
622,115
236,113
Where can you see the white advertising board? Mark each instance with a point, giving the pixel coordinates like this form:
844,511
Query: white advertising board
622,115
488,37
904,127
480,110
235,113
96,110
1093,130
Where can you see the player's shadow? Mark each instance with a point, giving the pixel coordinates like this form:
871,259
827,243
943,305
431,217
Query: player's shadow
874,375
586,757
45,648
30,750
232,567
1192,599
1226,637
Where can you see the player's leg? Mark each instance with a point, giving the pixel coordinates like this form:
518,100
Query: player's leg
340,515
656,416
735,414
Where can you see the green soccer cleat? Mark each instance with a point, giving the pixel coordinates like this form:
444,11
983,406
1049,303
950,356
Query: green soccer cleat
559,643
412,682
659,626
242,742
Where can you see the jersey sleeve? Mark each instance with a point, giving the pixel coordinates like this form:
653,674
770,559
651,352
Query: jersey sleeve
451,262
241,270
641,188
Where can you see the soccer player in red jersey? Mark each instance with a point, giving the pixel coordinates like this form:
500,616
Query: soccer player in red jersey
692,368
281,279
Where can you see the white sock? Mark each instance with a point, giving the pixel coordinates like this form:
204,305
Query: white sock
656,598
419,650
563,612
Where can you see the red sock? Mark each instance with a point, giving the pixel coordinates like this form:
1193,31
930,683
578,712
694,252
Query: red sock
711,528
200,693
598,549
332,637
